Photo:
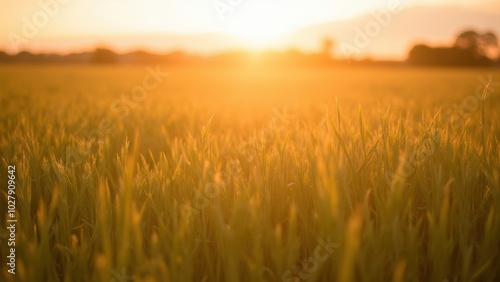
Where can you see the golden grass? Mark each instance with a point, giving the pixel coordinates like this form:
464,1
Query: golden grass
243,175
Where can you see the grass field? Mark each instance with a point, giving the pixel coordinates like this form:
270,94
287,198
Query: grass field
216,174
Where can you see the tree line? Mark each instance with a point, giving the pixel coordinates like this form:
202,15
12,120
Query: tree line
470,48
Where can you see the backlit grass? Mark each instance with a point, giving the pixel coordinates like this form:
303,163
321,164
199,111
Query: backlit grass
243,175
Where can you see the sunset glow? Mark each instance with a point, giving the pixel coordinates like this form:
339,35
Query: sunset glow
61,25
258,23
250,140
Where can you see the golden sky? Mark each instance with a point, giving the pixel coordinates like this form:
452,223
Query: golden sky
30,22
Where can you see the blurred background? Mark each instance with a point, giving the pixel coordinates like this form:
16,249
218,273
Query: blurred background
238,31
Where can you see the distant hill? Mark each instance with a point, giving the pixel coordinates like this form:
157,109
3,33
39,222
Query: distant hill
411,26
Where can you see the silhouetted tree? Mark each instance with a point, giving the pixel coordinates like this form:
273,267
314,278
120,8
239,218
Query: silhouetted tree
421,54
479,44
4,57
470,49
327,46
104,56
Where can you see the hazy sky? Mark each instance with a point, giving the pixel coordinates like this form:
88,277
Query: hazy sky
250,19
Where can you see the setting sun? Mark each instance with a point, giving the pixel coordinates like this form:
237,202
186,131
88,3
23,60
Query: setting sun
257,34
259,22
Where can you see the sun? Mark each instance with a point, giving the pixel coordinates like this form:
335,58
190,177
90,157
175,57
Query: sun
257,25
258,22
258,35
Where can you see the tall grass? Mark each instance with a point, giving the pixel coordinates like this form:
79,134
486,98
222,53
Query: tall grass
185,192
